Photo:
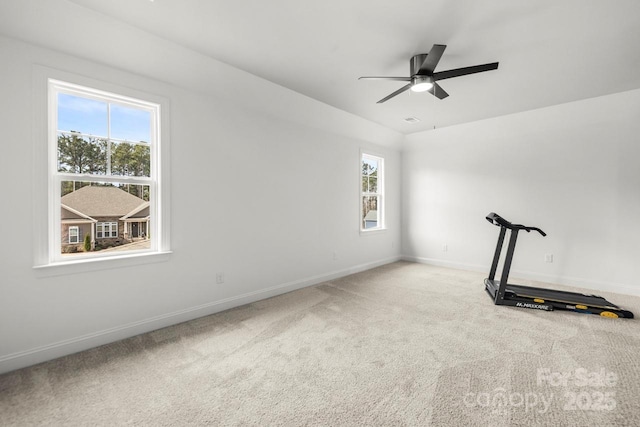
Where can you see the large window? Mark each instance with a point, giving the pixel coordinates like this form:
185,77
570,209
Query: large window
106,230
103,173
372,193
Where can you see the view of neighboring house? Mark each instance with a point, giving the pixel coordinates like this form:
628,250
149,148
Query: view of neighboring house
109,215
371,219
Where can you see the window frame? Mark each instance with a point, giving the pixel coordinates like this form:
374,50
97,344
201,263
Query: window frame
112,227
48,259
77,234
380,194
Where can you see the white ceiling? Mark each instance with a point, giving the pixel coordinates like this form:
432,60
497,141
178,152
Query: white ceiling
550,51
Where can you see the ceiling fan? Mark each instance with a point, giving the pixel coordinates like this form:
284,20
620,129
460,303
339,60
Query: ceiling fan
423,78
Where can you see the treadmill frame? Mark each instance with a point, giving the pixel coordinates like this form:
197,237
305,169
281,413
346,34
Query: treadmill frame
520,296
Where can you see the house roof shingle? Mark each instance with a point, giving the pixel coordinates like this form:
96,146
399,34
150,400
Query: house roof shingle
97,201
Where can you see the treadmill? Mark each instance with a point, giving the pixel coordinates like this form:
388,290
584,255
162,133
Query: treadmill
504,293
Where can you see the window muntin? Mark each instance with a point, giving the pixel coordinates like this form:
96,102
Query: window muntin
371,200
104,141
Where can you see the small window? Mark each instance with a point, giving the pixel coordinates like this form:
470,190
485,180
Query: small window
74,235
372,193
104,172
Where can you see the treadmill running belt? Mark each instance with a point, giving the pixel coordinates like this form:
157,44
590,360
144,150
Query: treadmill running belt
560,296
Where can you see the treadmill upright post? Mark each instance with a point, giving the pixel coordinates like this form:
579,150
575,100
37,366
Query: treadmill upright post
507,266
496,255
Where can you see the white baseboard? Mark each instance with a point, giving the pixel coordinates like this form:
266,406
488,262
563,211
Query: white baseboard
52,351
577,282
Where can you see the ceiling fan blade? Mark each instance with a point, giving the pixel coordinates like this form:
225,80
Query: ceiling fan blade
464,71
398,92
432,59
399,79
437,91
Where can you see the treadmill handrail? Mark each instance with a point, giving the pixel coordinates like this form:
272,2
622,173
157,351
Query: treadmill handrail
496,219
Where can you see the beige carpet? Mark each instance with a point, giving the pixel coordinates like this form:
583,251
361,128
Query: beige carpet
404,344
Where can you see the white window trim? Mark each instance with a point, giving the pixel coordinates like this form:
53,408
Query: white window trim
47,260
381,192
77,229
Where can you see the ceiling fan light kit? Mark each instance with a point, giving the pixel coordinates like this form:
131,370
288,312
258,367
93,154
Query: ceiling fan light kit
423,77
421,83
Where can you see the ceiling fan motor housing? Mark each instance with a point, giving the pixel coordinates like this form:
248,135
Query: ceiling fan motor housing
416,63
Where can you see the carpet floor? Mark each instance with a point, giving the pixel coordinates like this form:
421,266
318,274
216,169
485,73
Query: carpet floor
403,344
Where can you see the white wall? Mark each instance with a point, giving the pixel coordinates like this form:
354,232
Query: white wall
264,188
570,169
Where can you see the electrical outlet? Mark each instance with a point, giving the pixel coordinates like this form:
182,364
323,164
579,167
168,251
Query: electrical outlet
335,255
445,248
548,258
219,278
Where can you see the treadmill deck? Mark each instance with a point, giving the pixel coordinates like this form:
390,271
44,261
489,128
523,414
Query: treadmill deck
573,298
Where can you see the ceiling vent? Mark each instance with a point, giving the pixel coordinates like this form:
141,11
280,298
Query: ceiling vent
412,120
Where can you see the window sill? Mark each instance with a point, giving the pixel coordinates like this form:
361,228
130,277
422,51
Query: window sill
372,231
93,264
